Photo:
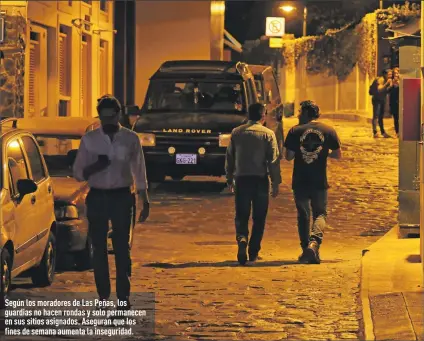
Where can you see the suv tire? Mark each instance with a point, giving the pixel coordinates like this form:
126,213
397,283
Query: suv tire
43,274
84,258
6,278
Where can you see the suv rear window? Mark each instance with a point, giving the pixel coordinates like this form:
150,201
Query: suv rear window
172,95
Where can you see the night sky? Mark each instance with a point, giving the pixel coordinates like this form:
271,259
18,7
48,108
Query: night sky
245,20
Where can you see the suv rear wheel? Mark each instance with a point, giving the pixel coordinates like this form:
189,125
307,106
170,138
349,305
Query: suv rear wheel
6,278
43,274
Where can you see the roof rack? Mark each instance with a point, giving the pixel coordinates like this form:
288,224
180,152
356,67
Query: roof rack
14,121
203,66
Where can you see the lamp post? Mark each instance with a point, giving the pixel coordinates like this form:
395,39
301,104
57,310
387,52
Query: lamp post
290,8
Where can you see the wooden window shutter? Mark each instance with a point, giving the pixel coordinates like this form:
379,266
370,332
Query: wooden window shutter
84,52
33,54
64,91
103,71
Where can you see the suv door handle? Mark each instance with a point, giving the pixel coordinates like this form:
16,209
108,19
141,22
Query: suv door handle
33,199
49,189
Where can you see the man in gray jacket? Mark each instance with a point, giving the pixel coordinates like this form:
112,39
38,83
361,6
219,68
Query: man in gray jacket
252,155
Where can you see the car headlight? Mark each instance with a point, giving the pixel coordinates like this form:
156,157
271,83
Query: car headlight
224,140
147,140
66,212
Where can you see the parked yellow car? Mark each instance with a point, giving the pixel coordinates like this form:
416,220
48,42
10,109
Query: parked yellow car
27,221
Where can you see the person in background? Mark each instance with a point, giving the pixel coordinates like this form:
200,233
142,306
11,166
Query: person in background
379,90
251,155
310,143
394,99
111,159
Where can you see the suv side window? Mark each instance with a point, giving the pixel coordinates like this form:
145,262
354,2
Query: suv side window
17,166
271,84
251,91
34,158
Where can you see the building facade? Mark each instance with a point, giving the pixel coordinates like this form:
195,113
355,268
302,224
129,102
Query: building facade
66,48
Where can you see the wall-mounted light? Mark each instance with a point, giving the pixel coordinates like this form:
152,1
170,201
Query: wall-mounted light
101,31
80,22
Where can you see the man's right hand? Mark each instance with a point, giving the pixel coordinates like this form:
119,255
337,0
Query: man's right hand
275,190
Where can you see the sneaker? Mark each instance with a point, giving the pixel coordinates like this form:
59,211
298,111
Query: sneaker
312,253
387,136
375,135
303,258
242,252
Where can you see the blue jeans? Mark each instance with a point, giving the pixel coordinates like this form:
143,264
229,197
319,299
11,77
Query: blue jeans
305,199
378,115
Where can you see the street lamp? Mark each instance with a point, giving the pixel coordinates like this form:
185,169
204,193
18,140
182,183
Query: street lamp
290,8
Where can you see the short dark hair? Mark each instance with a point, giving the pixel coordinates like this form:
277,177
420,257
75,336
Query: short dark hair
310,108
386,71
108,102
256,111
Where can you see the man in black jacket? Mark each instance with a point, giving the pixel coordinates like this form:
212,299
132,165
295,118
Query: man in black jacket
310,143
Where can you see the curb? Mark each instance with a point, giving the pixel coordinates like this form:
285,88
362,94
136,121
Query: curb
365,302
347,117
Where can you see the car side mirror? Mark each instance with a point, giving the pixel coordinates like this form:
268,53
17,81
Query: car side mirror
132,110
26,186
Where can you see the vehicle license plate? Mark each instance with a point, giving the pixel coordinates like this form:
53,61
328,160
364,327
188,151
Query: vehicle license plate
186,159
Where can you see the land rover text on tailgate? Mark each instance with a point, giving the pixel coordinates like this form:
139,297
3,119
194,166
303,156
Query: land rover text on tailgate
190,109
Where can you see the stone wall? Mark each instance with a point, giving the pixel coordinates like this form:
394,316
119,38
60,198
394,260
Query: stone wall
12,62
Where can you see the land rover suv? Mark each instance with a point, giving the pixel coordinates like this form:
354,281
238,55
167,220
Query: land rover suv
27,219
190,109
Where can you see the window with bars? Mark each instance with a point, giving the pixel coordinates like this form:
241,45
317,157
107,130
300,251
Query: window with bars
86,75
103,68
64,70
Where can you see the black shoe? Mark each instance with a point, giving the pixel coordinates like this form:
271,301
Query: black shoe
303,258
123,305
386,136
242,252
102,304
254,258
312,253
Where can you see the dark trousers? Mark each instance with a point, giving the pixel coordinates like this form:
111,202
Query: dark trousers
378,115
394,109
115,206
251,193
305,199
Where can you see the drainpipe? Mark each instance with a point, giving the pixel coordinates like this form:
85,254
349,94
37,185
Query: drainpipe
422,148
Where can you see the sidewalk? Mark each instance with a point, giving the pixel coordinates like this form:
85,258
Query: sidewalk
392,291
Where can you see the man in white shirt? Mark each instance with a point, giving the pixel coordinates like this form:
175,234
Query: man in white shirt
111,160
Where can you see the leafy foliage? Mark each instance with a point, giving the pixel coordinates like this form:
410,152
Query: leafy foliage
337,51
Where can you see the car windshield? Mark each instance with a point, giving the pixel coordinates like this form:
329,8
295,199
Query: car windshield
59,154
195,96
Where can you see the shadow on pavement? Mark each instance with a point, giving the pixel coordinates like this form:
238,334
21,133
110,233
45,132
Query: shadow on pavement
228,263
190,187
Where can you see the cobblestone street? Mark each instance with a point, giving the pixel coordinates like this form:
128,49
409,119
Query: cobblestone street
186,253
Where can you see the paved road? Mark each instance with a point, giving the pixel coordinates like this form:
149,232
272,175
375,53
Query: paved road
186,254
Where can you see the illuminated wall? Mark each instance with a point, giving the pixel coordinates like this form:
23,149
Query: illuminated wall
69,57
172,30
